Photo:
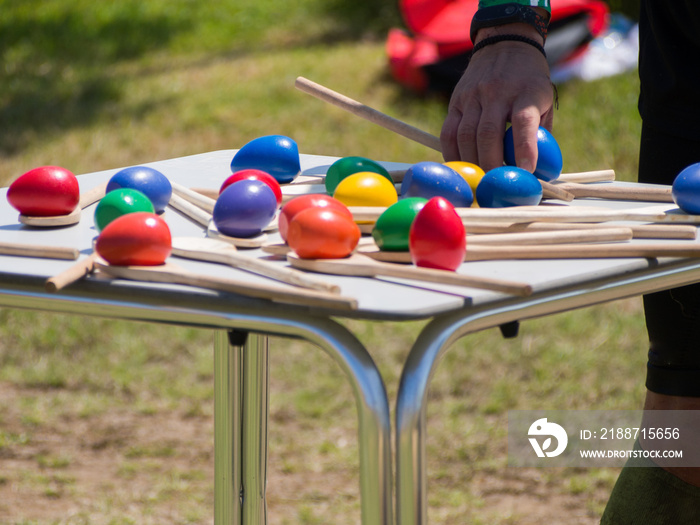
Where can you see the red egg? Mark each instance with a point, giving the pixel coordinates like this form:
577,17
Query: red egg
322,233
45,192
254,174
437,238
136,239
302,202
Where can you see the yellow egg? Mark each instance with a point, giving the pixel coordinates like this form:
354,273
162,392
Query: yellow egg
366,189
469,172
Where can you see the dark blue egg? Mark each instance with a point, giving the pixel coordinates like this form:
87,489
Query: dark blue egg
244,208
432,179
549,159
508,186
275,154
152,183
686,189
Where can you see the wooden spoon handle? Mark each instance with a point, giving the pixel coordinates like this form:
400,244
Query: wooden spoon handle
588,176
260,267
448,277
367,113
580,251
47,252
76,272
193,197
169,273
639,231
92,195
552,237
632,192
189,210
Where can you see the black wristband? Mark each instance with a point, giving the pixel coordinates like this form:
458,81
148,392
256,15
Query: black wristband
514,38
508,13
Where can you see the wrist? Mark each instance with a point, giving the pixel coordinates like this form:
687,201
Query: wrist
510,18
521,29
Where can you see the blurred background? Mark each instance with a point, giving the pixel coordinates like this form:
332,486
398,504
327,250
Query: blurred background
106,422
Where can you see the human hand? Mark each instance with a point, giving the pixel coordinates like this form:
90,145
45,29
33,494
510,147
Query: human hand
504,82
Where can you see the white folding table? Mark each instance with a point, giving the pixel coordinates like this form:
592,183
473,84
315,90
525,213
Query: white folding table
243,325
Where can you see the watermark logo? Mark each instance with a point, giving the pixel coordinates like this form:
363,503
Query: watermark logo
543,428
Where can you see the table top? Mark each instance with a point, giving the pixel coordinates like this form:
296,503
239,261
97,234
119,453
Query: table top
378,298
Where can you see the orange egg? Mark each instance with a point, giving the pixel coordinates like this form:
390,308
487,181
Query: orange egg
322,233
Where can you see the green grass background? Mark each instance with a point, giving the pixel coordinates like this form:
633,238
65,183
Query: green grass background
97,85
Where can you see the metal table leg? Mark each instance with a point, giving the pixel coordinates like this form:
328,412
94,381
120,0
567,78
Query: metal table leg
254,416
241,413
227,430
372,404
442,332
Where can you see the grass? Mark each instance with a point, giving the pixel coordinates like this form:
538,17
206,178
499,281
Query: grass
110,422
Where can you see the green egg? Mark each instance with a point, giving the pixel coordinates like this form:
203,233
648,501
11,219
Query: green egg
120,202
391,230
347,166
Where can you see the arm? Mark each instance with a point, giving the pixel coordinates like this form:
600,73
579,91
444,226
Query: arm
504,82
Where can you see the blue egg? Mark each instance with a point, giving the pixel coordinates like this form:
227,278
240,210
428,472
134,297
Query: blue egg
508,186
148,181
549,159
244,208
686,189
432,179
275,154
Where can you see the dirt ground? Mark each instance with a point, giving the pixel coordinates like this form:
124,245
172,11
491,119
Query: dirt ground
126,467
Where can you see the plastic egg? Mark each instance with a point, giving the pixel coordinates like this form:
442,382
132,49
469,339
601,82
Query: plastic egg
393,226
347,166
244,209
508,186
549,158
432,179
686,189
322,233
135,239
469,172
148,181
45,192
274,154
437,238
366,189
120,202
313,200
255,175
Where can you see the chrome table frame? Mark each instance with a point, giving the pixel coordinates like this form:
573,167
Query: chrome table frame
241,386
440,334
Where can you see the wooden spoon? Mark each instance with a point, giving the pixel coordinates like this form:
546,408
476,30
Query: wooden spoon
359,265
212,250
172,274
86,199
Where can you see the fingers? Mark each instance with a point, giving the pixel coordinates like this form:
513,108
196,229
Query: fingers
489,140
449,141
525,126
